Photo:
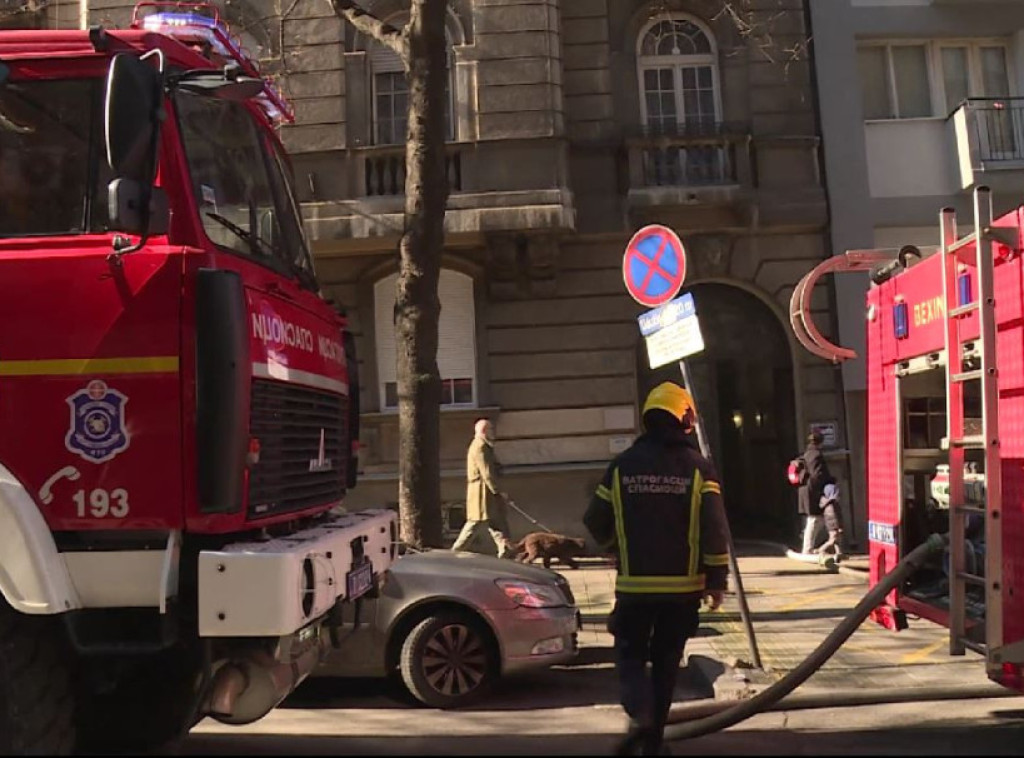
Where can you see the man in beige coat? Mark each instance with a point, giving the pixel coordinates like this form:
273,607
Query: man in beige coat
485,504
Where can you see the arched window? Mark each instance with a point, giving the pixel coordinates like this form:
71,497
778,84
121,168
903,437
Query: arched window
391,96
678,68
456,351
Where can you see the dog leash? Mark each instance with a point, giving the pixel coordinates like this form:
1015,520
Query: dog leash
524,514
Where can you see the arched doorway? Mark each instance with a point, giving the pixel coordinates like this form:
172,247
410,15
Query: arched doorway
744,389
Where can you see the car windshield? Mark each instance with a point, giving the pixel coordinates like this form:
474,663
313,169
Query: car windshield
241,185
50,168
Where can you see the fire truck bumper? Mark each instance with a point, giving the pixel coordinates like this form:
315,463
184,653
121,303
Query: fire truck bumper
276,587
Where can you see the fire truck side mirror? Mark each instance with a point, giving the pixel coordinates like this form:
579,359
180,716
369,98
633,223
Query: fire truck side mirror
124,207
132,117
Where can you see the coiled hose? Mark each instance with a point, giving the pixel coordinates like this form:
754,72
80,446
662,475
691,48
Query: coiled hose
768,697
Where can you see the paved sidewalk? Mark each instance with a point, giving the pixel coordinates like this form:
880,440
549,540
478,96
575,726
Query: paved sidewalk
793,607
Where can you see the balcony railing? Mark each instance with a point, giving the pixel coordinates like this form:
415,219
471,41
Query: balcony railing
995,127
384,170
702,156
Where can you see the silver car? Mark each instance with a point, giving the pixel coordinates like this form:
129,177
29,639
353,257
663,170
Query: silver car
448,624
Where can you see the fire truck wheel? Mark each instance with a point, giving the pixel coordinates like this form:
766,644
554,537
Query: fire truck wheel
147,710
449,660
36,700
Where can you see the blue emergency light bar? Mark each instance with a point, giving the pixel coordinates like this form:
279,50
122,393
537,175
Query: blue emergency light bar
190,27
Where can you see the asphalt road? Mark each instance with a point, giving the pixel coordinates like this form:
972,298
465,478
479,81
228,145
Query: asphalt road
573,711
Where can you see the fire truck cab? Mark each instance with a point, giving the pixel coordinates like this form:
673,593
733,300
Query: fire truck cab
945,383
178,403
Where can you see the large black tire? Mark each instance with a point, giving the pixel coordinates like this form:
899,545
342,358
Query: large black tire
36,700
449,660
149,710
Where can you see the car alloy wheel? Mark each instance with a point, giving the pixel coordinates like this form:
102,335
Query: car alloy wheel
447,660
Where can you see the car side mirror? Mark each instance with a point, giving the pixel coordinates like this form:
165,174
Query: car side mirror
125,198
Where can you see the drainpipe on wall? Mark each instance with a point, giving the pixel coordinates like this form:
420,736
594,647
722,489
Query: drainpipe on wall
855,490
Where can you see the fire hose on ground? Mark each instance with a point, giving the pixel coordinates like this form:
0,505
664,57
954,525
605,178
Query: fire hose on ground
691,722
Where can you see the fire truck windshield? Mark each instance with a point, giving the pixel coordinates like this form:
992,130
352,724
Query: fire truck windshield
241,186
52,178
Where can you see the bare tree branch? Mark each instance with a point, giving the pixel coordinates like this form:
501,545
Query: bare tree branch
373,27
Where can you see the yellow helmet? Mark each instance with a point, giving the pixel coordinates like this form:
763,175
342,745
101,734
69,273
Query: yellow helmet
669,396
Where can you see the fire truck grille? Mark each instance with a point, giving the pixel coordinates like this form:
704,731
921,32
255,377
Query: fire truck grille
292,473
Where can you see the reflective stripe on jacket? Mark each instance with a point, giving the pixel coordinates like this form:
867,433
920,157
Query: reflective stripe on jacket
659,507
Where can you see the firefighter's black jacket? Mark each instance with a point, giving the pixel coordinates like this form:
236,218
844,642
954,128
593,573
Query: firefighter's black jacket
659,507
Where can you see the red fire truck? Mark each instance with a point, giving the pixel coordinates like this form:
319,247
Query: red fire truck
945,384
178,403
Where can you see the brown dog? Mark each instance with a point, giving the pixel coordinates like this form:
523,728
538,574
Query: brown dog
547,546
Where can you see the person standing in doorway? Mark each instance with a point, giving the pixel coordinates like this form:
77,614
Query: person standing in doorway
813,487
659,509
485,503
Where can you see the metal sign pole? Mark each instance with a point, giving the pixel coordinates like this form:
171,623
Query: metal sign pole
733,564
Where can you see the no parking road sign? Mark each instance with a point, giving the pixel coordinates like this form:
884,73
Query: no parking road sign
654,265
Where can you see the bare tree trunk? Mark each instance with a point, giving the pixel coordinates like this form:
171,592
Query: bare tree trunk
417,306
424,50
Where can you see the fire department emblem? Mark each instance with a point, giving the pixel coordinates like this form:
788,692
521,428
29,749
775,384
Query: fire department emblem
98,430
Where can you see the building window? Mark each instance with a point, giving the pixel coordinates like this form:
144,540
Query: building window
456,352
973,71
391,98
895,81
391,106
929,79
678,73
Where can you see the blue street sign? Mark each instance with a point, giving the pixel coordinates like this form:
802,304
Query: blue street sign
669,313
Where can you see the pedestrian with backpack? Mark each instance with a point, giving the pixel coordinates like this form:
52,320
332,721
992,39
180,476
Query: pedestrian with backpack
812,474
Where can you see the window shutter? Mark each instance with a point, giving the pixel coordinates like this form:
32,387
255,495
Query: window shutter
456,352
384,60
384,331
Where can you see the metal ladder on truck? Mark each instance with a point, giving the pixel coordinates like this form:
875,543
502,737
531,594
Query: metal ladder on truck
973,253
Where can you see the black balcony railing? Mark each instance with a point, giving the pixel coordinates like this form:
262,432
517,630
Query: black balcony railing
688,165
384,170
996,127
692,155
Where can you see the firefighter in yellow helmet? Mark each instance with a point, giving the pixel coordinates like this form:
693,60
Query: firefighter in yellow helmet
659,509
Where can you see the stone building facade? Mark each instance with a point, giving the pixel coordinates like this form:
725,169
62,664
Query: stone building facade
572,123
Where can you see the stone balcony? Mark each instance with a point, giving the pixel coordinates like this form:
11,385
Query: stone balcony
706,163
490,190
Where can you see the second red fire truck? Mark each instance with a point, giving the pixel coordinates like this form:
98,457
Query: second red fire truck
945,385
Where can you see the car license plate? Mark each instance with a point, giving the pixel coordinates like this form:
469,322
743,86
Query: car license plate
359,581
